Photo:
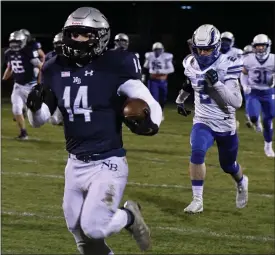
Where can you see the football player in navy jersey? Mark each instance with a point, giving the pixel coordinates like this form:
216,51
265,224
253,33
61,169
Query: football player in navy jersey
31,41
21,61
57,46
87,84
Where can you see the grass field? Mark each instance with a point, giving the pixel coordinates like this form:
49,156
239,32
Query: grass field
32,191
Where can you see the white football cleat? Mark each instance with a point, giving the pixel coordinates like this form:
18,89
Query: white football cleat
269,152
242,193
196,206
138,229
259,127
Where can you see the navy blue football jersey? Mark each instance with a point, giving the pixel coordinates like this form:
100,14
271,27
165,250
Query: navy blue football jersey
20,62
88,100
34,45
50,55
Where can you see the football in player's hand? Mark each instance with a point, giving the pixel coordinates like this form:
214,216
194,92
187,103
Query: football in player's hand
135,109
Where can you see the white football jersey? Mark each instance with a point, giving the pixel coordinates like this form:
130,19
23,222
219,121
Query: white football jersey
219,117
162,64
234,53
259,75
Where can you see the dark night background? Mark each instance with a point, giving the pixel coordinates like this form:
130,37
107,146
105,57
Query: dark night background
145,23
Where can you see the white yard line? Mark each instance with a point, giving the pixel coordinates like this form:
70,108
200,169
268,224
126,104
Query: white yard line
139,184
206,232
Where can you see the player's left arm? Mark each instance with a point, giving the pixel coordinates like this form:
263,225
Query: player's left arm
229,90
8,72
132,87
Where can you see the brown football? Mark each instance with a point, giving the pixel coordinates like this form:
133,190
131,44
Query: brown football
134,108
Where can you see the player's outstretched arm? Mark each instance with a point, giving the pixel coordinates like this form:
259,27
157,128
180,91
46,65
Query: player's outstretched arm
183,95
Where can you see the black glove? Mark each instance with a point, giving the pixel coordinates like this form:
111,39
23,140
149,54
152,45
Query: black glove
142,127
211,77
35,98
182,110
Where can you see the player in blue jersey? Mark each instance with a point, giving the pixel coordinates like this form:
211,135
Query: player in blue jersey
21,61
31,42
258,83
214,78
57,46
88,84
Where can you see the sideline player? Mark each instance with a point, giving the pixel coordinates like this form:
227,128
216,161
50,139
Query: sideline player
258,80
21,61
160,65
85,84
214,78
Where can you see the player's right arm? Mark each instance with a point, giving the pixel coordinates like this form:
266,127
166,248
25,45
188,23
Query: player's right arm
132,87
41,101
244,79
8,72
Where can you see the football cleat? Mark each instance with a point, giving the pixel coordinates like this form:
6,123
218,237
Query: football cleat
139,230
196,206
242,193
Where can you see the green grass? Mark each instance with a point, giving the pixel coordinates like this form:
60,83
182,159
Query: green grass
32,191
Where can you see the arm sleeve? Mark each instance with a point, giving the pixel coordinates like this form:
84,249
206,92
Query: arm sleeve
136,89
146,63
230,92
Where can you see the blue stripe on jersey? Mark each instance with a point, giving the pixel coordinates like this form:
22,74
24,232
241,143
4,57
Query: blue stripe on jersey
234,72
229,79
233,67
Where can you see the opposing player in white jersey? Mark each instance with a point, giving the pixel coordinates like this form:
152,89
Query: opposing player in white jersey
160,65
227,46
258,79
248,49
214,79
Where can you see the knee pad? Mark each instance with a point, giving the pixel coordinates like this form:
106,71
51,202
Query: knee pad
253,119
197,156
17,109
230,168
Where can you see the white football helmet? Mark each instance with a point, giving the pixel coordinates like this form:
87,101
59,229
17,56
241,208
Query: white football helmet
158,48
206,37
261,40
227,41
247,49
17,40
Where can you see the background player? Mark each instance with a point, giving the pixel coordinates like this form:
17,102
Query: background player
159,64
247,49
227,45
31,42
21,61
57,46
258,79
214,78
96,172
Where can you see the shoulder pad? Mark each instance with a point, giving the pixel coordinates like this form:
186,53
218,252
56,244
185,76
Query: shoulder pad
188,57
168,55
147,55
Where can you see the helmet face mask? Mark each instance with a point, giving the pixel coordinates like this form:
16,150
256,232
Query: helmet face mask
226,45
85,35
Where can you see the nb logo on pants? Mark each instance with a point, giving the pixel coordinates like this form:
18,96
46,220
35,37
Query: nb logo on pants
109,165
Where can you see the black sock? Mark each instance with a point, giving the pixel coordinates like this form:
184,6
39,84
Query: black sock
131,217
